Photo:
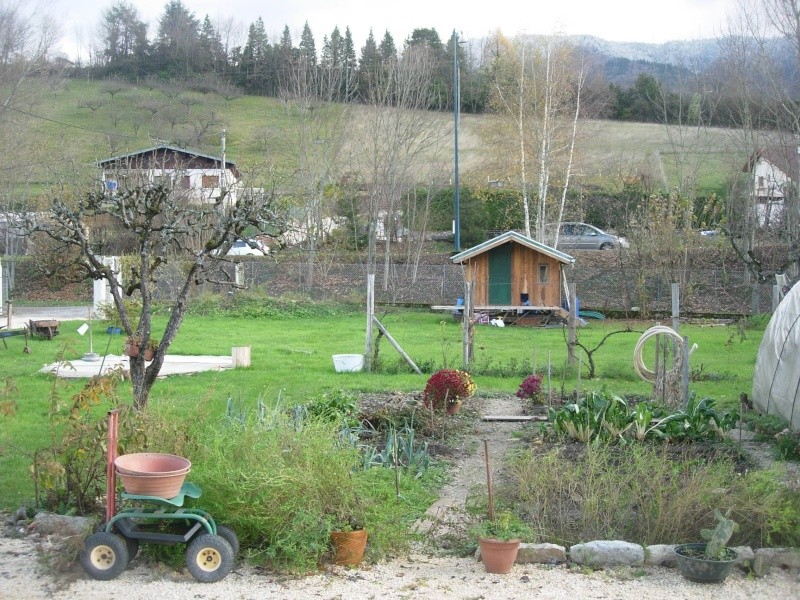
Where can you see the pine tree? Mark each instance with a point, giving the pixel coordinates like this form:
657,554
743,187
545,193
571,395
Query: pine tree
308,50
387,49
177,40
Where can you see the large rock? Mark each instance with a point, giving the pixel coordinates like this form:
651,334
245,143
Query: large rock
551,554
61,525
661,555
766,558
604,553
744,557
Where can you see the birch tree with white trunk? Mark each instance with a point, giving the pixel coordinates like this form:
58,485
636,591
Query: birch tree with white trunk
536,90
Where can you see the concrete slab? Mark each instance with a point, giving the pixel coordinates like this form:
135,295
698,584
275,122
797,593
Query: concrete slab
174,364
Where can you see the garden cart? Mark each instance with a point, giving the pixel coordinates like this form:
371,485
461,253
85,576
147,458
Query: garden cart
210,548
45,328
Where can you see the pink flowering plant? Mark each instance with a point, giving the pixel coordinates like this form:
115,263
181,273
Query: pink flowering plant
447,387
530,389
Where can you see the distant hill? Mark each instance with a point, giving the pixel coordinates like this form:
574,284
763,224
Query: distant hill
669,62
692,54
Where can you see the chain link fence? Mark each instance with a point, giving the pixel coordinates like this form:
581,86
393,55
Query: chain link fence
605,281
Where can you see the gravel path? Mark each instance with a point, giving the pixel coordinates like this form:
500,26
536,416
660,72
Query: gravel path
416,576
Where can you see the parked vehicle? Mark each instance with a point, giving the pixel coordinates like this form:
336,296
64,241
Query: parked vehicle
582,236
248,248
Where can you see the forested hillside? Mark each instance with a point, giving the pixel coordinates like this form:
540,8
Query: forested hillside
366,138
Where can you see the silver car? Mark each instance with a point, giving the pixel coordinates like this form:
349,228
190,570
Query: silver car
248,248
582,236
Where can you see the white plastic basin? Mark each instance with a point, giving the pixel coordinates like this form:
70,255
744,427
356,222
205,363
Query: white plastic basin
348,363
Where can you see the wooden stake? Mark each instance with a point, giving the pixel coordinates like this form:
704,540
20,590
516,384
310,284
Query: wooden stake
489,480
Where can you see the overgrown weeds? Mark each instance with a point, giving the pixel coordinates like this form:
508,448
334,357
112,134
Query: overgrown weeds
646,494
284,479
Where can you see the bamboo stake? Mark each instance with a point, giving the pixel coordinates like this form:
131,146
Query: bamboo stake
396,467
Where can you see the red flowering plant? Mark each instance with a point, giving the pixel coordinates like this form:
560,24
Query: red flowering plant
447,387
530,389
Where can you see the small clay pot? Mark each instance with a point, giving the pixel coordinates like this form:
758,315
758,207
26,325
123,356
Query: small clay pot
349,546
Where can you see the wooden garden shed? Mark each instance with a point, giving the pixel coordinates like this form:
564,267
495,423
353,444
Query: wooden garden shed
514,272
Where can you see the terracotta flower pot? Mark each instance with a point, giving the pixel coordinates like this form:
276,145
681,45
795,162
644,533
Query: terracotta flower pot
349,546
453,408
131,350
152,474
498,556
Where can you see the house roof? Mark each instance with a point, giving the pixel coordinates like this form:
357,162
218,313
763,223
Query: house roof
785,158
512,236
158,153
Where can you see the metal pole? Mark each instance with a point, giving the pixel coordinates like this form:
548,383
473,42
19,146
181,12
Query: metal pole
676,306
456,107
370,316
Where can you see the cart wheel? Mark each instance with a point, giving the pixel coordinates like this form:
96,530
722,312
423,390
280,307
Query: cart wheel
209,558
229,535
104,555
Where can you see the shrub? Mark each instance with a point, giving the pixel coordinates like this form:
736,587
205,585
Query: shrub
283,480
530,389
69,474
447,387
788,445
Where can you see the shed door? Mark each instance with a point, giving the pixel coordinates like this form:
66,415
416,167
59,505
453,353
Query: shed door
500,275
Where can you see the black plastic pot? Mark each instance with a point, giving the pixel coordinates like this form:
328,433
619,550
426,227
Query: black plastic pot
701,569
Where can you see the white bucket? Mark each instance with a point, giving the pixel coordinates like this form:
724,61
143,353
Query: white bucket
348,363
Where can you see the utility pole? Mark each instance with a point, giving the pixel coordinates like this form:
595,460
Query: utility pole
456,110
222,177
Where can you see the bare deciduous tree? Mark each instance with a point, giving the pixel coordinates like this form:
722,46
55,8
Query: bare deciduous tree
398,136
317,101
765,101
165,226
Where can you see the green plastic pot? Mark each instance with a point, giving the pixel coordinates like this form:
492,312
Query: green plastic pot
701,569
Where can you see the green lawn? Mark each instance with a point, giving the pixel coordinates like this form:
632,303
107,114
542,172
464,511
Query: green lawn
291,361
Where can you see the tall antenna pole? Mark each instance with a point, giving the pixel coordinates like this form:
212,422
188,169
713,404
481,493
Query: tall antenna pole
222,177
456,107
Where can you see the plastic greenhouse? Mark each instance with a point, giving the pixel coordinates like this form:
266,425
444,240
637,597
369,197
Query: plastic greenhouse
776,382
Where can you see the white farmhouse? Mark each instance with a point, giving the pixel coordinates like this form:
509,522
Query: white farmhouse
774,172
199,177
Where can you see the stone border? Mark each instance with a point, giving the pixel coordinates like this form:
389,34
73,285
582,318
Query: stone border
613,553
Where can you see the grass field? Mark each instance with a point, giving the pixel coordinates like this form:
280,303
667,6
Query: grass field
607,152
291,362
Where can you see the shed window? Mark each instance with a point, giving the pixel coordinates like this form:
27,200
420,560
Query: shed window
185,182
210,181
544,273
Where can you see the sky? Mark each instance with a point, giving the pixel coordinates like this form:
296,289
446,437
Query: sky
614,20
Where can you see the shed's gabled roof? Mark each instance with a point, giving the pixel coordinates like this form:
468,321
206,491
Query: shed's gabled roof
512,236
147,157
